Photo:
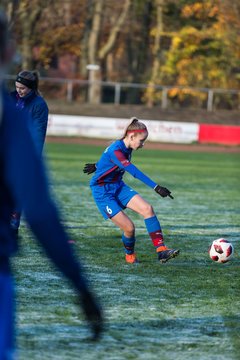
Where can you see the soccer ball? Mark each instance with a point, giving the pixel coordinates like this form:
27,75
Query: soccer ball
221,250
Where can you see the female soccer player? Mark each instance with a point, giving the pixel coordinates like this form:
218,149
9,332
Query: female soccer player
28,99
112,195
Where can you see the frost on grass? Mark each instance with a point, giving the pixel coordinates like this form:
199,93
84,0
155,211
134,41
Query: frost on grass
186,310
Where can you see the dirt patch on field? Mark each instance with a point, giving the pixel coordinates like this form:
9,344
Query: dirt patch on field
148,145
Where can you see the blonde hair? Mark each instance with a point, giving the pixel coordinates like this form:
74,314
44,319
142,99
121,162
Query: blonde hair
135,125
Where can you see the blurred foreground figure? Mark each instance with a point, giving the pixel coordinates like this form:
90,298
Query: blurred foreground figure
23,183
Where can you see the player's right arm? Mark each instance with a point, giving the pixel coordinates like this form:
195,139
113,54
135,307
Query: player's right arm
89,168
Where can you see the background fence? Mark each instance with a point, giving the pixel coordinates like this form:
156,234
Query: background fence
132,93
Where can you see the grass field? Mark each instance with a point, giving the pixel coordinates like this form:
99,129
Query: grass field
186,309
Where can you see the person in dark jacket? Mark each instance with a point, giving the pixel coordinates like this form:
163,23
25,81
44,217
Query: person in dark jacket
29,100
28,97
23,183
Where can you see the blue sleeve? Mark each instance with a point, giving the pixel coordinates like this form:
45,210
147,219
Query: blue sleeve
40,121
26,179
135,172
123,163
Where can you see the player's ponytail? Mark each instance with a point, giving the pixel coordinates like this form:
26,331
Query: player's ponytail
135,125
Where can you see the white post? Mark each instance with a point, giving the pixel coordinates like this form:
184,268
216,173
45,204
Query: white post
69,91
210,100
93,88
164,98
117,94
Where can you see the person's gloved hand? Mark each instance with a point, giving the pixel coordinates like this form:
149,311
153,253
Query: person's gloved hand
93,313
163,191
89,168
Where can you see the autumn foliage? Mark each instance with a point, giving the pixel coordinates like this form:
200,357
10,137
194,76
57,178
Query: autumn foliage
181,44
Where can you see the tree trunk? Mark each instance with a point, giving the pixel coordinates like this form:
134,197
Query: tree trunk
29,12
94,88
96,55
156,50
85,40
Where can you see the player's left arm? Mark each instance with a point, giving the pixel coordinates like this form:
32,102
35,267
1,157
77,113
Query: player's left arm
40,122
120,159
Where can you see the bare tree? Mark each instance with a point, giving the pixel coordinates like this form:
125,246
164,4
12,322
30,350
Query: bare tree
10,7
156,48
27,14
97,52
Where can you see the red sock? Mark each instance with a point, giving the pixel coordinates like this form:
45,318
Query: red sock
154,229
157,240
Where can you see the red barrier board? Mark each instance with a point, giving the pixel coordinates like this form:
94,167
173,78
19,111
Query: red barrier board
219,134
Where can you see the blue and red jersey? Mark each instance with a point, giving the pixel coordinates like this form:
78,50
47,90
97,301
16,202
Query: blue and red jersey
115,160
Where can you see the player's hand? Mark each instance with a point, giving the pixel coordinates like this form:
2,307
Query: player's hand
163,191
89,168
93,314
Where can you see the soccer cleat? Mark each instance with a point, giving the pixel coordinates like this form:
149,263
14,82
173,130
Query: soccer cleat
165,255
131,258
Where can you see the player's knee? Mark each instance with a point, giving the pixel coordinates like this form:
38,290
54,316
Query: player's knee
129,229
147,210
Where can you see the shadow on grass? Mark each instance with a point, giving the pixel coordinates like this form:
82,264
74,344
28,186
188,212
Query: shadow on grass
170,338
